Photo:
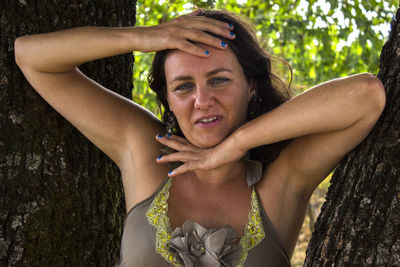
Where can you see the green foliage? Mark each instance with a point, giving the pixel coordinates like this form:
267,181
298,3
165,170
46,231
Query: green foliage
150,13
321,39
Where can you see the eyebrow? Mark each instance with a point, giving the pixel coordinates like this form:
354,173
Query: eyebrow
208,74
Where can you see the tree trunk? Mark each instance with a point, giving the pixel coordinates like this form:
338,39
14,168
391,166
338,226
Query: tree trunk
61,199
359,224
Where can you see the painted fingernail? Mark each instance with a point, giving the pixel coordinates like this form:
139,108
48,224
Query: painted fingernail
169,135
159,157
232,34
206,52
230,26
223,44
170,173
159,136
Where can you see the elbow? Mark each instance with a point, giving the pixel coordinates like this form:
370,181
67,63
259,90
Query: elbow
374,92
23,53
18,50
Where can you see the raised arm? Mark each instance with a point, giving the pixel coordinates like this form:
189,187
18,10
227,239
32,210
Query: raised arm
119,127
325,122
49,62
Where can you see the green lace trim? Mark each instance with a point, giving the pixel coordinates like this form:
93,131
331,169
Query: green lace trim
253,231
157,217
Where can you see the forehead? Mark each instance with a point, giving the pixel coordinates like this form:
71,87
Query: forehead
181,63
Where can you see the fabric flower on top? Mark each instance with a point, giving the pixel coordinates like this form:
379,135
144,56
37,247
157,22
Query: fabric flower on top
196,246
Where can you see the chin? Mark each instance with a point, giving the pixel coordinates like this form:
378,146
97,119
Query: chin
207,141
206,144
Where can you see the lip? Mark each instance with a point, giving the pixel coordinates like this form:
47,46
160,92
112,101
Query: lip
208,124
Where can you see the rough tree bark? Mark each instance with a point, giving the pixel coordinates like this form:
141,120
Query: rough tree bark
359,224
61,199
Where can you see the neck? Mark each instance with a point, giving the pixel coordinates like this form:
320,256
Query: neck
220,176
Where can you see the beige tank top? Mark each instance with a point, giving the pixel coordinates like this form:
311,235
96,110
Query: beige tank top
149,240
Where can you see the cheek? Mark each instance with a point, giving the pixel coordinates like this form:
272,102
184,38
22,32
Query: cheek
241,98
180,108
241,105
175,104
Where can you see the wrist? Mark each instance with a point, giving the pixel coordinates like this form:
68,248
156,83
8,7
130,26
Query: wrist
140,38
130,37
238,138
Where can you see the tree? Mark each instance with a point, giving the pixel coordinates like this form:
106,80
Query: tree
61,199
359,224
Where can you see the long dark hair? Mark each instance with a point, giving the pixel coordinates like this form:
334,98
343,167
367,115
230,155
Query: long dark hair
256,63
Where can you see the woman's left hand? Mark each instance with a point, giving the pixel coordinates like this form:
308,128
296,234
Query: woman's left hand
195,158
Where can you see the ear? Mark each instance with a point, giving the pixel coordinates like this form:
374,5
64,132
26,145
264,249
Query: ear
252,90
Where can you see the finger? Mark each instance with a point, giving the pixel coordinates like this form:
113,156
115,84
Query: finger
184,156
176,144
190,48
217,27
215,22
164,139
178,138
200,36
198,17
183,43
202,23
207,25
189,166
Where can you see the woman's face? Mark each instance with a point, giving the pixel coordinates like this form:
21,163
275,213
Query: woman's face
209,96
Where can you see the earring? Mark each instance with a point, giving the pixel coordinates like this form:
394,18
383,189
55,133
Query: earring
171,122
253,108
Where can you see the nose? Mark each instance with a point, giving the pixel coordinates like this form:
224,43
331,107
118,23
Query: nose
203,99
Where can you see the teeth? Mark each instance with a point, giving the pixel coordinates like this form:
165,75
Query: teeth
208,120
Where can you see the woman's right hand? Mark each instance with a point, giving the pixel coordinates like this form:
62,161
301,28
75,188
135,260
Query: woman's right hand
184,33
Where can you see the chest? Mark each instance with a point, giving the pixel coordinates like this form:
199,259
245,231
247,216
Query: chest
210,208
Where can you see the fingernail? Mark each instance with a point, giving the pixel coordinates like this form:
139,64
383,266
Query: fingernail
170,173
159,136
169,135
232,34
230,26
159,157
206,52
223,44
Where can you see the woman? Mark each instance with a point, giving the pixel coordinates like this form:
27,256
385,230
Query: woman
218,208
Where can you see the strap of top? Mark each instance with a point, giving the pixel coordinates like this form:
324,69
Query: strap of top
253,171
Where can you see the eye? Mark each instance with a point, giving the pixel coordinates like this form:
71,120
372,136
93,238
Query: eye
219,80
184,86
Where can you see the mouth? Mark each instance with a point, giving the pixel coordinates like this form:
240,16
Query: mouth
208,121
